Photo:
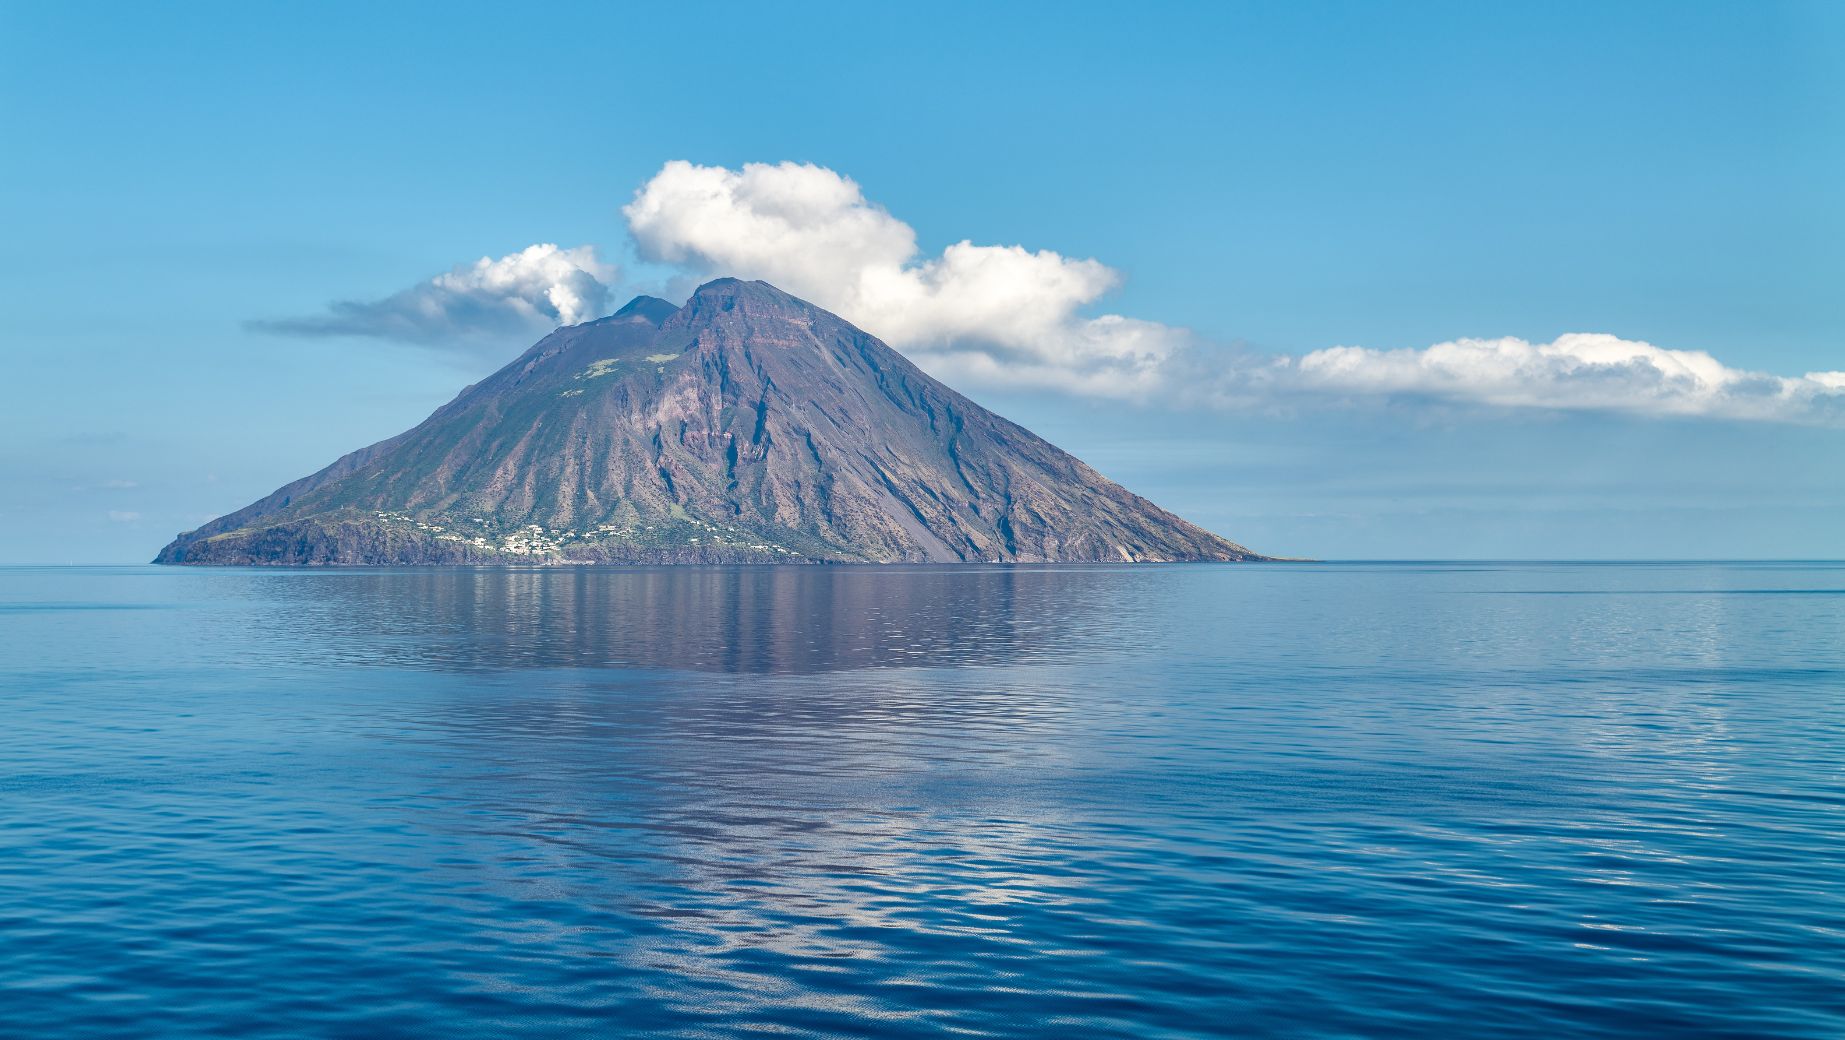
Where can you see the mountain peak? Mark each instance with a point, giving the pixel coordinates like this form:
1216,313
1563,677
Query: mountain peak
718,288
650,309
748,426
734,293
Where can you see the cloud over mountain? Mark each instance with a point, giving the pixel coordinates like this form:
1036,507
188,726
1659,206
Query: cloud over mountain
1009,315
994,312
533,290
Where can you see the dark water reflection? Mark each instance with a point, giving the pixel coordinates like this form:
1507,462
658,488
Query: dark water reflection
747,620
1522,801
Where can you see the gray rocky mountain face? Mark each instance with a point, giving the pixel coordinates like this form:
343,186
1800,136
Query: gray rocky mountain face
745,427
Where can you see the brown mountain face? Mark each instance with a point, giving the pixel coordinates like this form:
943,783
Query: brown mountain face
745,427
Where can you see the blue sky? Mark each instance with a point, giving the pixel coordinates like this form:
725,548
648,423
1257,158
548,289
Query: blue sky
1259,183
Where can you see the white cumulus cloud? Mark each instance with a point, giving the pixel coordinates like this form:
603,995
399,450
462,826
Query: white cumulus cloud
535,289
995,313
1009,315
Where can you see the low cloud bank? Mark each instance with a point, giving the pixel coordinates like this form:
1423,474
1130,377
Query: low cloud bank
536,289
1579,371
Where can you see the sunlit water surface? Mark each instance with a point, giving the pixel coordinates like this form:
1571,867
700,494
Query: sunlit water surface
1265,800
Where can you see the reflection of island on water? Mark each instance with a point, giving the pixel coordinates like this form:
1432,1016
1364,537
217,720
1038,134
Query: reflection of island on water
721,619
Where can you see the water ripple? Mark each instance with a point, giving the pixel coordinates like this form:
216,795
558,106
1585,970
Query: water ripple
1314,801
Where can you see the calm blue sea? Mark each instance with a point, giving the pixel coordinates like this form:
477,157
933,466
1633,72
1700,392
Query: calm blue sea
1482,800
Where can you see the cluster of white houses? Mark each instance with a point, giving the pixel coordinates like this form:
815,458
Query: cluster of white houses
536,540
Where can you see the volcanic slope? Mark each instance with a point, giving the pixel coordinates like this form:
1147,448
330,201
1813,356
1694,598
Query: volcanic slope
746,427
